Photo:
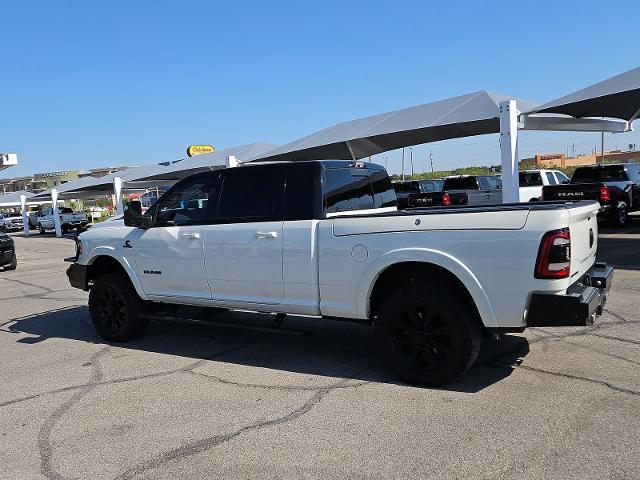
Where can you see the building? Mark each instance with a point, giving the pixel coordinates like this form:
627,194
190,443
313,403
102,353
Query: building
40,182
551,160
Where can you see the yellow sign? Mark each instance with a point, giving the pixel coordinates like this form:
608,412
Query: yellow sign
199,149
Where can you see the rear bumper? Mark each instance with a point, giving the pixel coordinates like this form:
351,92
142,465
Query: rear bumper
578,307
77,276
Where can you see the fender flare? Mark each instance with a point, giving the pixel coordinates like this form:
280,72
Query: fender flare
105,251
435,257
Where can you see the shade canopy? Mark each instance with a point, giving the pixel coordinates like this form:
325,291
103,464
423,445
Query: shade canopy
172,171
69,189
616,97
467,115
12,199
156,174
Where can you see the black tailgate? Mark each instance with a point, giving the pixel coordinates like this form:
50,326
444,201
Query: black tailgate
579,191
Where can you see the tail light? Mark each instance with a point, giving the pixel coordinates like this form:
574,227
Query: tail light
446,199
554,256
605,194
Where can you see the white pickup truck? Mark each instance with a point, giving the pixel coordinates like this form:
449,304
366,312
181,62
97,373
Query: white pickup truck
69,220
532,181
324,239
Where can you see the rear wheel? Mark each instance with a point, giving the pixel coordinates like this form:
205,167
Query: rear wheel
14,263
428,335
115,308
620,215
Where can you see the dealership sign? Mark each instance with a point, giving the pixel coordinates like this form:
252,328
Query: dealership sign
199,149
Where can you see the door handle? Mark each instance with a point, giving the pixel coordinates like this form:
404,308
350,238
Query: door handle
191,236
264,235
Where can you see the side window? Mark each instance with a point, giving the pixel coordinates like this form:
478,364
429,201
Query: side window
251,195
634,173
551,178
187,203
303,199
383,193
562,178
345,192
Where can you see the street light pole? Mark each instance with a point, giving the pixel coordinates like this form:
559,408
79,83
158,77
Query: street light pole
411,157
402,168
431,160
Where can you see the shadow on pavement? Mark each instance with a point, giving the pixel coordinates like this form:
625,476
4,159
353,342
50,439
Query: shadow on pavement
621,247
328,348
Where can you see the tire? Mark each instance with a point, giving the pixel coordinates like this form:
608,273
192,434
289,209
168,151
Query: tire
115,309
64,229
14,263
3,228
620,216
41,229
428,335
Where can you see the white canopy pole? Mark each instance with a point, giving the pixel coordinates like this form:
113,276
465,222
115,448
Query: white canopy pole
56,213
509,151
25,217
117,191
232,161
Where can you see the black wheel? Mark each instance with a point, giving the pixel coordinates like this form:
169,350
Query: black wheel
14,263
3,228
429,336
64,229
115,308
42,230
620,215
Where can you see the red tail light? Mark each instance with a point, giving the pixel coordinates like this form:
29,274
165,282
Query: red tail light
446,199
554,256
605,194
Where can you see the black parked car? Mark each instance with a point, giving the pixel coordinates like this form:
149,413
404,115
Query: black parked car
8,258
615,186
420,193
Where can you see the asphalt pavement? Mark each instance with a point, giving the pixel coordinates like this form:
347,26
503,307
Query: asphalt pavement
315,401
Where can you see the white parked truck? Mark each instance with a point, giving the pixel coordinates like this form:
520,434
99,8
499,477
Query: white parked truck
69,220
324,239
532,181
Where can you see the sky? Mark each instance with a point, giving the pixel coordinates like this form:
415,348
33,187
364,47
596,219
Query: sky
88,84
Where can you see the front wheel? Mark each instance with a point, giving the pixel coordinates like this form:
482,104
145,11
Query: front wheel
115,309
429,336
620,215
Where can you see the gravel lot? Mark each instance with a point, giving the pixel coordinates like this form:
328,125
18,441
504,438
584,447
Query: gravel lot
202,401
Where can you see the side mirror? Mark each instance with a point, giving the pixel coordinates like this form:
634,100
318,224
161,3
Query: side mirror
133,216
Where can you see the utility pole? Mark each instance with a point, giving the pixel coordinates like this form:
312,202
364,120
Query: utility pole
431,160
602,148
411,153
402,168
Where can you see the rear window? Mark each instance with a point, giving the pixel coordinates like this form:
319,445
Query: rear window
607,173
66,210
346,192
431,185
383,193
530,179
462,183
406,187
